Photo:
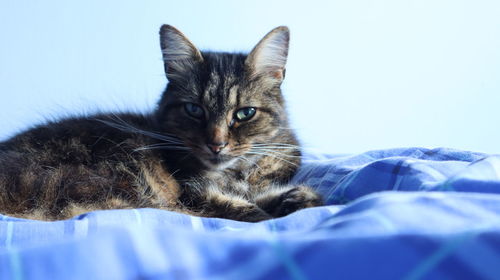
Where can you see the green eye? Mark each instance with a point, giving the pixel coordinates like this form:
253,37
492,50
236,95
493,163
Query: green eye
245,114
193,110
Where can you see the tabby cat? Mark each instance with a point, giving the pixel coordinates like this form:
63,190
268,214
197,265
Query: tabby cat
218,144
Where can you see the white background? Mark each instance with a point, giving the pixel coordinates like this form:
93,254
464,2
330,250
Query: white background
362,74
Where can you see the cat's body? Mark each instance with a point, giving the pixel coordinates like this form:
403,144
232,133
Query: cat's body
217,145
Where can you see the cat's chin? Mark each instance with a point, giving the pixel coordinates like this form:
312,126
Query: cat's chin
218,163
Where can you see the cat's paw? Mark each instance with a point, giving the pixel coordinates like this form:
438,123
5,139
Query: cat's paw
248,213
251,214
295,199
235,209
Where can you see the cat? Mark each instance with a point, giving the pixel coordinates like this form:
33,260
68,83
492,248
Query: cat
218,144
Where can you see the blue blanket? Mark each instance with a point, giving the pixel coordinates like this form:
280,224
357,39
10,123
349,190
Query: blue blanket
392,214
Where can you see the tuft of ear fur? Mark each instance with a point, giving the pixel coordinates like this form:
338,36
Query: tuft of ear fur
179,54
268,57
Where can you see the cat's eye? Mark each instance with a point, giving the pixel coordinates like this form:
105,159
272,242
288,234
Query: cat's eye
194,110
245,114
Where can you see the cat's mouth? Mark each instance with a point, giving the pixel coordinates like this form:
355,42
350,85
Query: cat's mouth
218,161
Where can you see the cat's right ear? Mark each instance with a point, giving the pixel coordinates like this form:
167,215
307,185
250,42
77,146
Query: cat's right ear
268,58
179,54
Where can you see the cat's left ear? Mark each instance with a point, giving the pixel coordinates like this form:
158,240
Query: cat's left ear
268,57
179,54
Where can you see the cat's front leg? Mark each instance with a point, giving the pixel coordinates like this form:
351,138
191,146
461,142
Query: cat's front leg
280,201
228,206
211,201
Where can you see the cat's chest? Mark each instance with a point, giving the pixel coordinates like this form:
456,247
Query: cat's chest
230,180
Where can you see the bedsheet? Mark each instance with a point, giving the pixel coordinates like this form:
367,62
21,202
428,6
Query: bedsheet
409,213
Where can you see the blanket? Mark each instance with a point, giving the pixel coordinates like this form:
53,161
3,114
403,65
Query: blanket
410,213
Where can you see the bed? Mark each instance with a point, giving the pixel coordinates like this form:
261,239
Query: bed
409,213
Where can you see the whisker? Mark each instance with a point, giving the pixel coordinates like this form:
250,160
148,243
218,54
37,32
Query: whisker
276,144
165,145
285,145
277,147
187,155
249,161
162,148
275,152
286,128
271,155
124,126
129,125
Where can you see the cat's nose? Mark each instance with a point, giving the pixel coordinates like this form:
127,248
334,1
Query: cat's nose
216,147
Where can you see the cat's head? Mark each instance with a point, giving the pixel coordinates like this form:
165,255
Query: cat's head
224,106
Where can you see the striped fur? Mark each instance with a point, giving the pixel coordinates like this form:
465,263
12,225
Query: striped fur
164,159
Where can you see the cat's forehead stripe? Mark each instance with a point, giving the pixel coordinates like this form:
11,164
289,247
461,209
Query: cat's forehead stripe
211,88
220,92
233,96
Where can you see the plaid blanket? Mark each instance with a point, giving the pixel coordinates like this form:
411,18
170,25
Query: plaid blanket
392,214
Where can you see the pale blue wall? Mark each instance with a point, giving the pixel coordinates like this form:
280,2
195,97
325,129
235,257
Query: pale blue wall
362,74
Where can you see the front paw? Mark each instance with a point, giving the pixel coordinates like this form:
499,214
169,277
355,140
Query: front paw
295,199
234,209
251,214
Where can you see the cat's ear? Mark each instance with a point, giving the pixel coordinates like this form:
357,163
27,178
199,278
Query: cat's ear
179,54
268,57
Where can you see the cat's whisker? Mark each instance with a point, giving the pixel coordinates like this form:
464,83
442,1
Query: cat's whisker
271,150
241,148
275,144
165,145
282,150
190,153
159,148
280,143
177,148
277,148
249,161
272,155
129,128
127,125
278,158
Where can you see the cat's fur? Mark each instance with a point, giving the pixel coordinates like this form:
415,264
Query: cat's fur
209,165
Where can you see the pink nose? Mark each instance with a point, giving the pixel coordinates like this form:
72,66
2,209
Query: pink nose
216,147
